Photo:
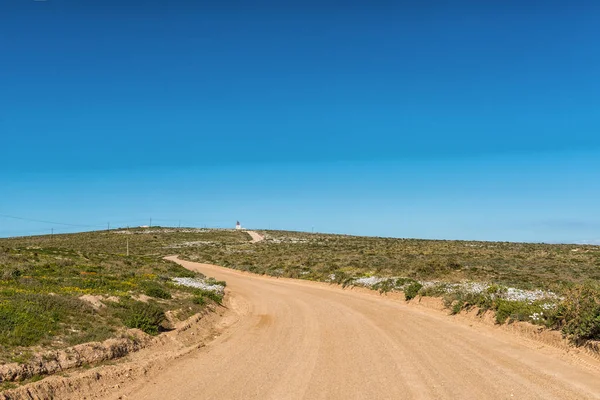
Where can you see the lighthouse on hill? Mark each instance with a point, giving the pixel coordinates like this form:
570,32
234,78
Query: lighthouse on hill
238,226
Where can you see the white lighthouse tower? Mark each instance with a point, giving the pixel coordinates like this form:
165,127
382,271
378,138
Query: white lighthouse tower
238,226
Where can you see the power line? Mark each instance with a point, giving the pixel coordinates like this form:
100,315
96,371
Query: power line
47,222
69,227
42,232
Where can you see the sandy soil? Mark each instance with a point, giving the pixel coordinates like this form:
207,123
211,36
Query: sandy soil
305,340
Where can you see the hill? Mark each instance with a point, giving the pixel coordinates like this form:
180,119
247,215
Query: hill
61,290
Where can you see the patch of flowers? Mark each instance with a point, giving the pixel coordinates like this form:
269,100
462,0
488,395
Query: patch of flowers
528,296
190,244
537,317
510,294
548,306
368,281
199,284
291,240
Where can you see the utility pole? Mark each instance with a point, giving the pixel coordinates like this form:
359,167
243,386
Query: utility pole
179,226
108,230
150,222
52,234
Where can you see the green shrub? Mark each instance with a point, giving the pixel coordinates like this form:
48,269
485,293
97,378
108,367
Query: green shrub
385,286
213,281
157,292
207,294
412,290
145,316
514,310
580,310
214,296
457,301
494,289
199,299
400,282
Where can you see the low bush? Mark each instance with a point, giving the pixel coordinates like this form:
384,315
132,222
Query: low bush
214,296
204,296
411,291
213,281
157,292
147,317
580,311
459,300
514,310
199,299
385,286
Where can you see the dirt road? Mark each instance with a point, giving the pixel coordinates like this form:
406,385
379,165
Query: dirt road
303,340
255,236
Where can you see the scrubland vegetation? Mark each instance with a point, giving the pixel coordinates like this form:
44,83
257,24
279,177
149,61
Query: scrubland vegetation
58,291
555,285
61,290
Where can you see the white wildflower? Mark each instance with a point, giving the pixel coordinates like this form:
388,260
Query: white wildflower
199,284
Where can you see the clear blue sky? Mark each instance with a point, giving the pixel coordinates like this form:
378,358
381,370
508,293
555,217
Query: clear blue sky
453,120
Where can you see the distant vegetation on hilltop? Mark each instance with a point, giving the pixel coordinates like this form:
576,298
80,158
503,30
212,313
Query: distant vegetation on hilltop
317,256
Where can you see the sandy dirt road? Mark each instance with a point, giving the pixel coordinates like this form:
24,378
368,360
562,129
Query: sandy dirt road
255,236
304,340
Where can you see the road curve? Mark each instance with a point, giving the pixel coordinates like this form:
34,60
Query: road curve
304,340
